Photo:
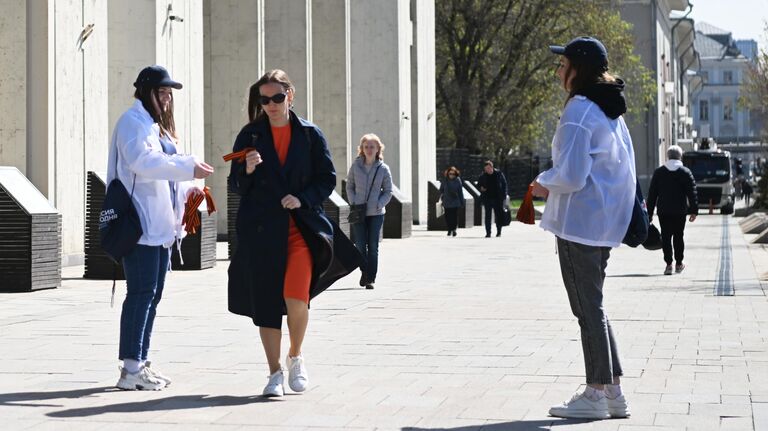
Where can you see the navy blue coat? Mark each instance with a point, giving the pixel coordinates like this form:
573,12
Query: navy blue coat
257,269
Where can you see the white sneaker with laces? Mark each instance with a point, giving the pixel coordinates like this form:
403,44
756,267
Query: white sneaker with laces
142,381
618,407
274,386
157,374
580,406
298,379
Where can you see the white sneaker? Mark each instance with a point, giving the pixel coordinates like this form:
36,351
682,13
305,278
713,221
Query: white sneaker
142,381
298,379
274,386
157,374
618,407
580,406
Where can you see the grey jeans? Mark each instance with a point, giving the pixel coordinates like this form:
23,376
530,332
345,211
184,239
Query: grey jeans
583,270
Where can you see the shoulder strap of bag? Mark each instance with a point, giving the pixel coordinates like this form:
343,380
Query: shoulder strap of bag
370,189
117,175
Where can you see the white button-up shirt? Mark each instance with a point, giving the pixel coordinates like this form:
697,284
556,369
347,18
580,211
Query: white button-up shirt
136,139
592,182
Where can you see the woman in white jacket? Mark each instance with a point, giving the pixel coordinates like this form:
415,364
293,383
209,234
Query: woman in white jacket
590,194
144,156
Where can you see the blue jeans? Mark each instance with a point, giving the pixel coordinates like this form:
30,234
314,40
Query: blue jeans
145,269
366,236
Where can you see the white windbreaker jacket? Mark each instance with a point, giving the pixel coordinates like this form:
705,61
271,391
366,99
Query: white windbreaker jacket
592,181
136,139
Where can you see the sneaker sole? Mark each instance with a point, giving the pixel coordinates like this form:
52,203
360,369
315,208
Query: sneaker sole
127,387
619,415
272,395
578,414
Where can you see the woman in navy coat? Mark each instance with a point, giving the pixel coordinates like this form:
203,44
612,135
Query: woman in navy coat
287,251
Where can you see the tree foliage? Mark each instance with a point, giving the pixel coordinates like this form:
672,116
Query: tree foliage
754,96
496,82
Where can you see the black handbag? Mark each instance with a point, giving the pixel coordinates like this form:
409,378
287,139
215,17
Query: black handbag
653,242
119,223
506,215
637,231
357,211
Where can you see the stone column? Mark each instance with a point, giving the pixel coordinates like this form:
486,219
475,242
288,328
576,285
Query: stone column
288,46
13,77
234,60
331,80
381,81
423,99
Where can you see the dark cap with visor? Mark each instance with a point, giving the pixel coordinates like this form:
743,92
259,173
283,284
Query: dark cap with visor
584,49
155,76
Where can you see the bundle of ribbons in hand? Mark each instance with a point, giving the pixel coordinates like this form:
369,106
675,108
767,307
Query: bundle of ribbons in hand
238,155
525,213
191,219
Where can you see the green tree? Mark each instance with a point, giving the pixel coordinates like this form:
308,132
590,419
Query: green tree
754,96
496,83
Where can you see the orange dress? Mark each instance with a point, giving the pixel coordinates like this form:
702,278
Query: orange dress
298,267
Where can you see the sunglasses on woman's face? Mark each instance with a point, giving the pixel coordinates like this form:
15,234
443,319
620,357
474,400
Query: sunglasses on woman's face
277,98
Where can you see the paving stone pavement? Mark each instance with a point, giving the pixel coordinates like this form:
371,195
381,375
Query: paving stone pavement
461,333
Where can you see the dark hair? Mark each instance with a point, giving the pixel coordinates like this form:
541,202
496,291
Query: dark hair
488,163
587,73
452,168
164,119
275,76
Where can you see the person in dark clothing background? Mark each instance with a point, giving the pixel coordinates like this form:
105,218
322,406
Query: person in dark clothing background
747,190
493,192
452,196
673,193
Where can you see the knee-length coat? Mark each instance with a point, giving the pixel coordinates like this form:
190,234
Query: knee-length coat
257,269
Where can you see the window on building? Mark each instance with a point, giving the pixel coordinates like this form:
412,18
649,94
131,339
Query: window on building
728,110
704,110
704,76
727,77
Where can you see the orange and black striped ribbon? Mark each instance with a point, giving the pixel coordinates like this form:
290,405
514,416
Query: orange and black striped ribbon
191,219
238,155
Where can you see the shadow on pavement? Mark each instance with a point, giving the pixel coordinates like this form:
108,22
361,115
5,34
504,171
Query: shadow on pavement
32,399
24,398
182,402
532,425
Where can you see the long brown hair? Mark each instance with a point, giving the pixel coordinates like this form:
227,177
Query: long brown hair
586,74
275,76
164,119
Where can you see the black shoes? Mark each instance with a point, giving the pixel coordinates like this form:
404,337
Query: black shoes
369,286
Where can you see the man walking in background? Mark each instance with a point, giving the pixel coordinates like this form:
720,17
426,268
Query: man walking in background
493,188
673,192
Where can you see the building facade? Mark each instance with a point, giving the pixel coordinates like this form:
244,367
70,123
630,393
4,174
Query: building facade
663,37
67,69
717,113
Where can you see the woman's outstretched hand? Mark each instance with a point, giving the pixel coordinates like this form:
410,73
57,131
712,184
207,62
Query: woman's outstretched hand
203,170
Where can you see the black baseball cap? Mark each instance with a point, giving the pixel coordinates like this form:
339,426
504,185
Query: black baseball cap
584,49
155,76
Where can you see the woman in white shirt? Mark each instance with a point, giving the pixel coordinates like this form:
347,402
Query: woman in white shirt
143,155
590,194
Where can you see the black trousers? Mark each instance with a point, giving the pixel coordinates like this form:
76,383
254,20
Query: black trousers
672,227
495,208
452,218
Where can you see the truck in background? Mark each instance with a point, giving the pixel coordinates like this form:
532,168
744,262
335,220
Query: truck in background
711,167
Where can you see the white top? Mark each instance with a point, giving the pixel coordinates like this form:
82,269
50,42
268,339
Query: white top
592,181
137,138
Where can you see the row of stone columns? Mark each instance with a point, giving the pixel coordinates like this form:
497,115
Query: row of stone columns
67,68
